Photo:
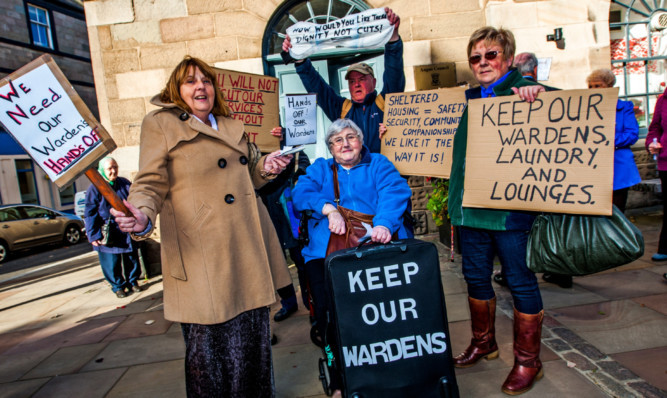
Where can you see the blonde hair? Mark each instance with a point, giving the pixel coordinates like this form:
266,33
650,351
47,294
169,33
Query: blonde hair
172,91
503,37
602,75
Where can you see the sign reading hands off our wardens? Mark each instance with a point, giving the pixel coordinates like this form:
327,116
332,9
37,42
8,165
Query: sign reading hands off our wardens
555,154
367,29
41,110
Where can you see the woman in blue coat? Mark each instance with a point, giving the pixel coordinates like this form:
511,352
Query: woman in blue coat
627,133
118,253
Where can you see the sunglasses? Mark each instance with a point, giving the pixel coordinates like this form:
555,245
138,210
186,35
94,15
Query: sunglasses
475,59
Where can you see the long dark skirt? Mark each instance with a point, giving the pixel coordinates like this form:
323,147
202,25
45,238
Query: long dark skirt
230,359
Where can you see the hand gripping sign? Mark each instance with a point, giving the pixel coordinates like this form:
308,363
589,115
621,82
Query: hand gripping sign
367,29
41,110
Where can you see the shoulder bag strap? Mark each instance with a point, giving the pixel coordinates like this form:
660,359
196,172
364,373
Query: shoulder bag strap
335,183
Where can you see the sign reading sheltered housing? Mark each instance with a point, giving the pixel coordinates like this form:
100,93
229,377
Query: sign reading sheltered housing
555,154
420,130
253,99
367,29
41,110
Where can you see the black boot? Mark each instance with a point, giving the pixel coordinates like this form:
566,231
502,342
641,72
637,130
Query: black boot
564,281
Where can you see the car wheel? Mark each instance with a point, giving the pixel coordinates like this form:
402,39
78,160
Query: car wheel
72,234
4,251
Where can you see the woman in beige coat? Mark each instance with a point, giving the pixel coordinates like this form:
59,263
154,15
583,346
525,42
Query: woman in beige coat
221,258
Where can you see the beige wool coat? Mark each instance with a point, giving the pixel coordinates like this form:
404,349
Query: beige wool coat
220,252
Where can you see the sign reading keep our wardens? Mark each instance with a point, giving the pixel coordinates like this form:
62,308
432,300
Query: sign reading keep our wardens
555,154
41,110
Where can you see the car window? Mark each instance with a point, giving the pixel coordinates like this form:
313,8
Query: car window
36,212
9,215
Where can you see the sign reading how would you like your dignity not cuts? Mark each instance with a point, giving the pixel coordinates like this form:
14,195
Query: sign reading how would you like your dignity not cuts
367,29
41,110
253,99
555,154
420,130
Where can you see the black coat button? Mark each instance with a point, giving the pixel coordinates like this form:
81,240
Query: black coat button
229,199
184,116
222,163
243,160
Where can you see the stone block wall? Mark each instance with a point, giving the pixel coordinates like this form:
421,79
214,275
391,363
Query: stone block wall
136,43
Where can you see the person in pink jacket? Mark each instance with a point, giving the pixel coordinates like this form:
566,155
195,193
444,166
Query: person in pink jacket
656,139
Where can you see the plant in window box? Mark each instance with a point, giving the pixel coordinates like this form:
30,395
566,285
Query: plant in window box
437,205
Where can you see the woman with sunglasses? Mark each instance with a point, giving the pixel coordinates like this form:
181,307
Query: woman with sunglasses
486,233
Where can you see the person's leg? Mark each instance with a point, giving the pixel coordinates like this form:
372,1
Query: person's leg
230,359
297,257
288,302
316,279
620,198
477,251
132,270
112,269
661,255
528,311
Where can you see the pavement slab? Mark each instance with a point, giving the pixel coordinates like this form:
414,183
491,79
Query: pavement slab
160,379
635,283
656,302
559,381
554,296
296,372
138,325
66,360
136,351
86,384
616,326
21,389
650,365
14,366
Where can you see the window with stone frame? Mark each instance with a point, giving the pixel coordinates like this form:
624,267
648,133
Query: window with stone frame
40,26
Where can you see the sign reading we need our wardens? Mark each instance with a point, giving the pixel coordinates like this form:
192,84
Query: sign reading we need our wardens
555,154
41,110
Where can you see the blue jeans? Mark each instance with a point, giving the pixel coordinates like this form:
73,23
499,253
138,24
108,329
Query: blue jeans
121,270
480,246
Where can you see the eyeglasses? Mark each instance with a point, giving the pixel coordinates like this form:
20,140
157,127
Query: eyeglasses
338,141
490,55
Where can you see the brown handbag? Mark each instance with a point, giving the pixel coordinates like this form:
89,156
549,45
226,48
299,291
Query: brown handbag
354,230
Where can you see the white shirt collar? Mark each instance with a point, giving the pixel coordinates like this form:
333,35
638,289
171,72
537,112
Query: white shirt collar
211,119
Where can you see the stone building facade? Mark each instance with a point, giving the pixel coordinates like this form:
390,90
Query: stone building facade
136,43
64,36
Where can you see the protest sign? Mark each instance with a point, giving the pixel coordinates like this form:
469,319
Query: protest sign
367,29
429,77
300,119
555,154
253,99
420,130
41,110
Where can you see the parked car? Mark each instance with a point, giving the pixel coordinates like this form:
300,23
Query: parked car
26,226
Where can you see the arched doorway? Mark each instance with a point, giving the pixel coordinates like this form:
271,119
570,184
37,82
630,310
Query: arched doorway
332,65
638,32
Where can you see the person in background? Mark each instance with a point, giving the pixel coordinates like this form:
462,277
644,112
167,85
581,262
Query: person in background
487,233
625,169
526,64
271,194
221,258
117,251
367,106
656,140
368,183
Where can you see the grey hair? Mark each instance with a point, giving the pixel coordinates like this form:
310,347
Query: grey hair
340,125
604,75
528,65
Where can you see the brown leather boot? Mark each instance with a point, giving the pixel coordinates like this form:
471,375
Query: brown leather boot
483,342
527,365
